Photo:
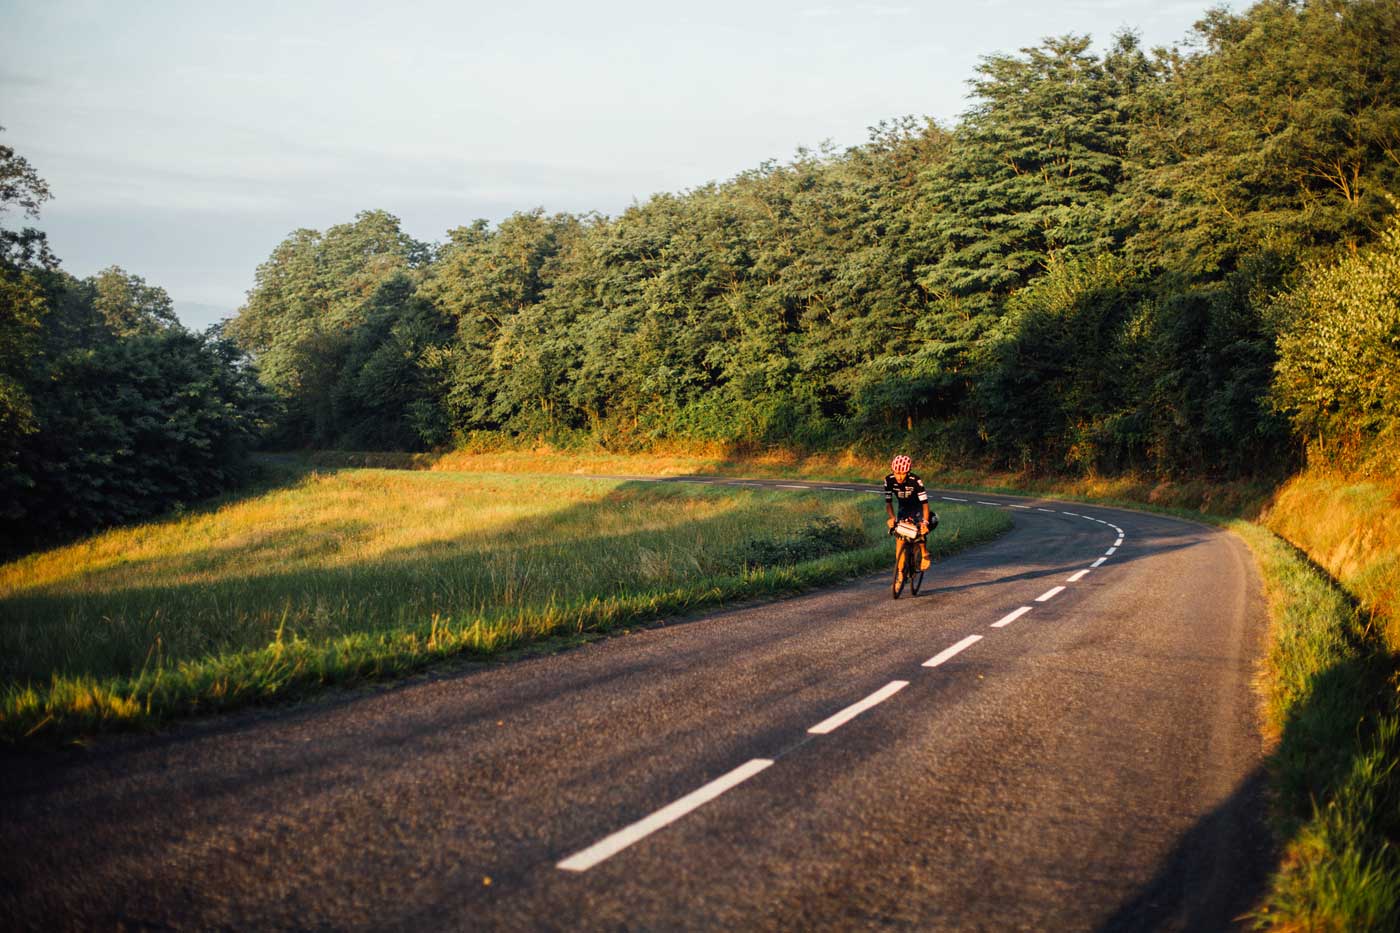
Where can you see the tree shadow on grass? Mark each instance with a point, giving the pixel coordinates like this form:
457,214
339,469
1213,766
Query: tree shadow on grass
493,574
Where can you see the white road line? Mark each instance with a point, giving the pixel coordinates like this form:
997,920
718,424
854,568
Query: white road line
1049,594
1109,552
738,483
1099,562
1026,507
1118,543
1011,617
832,723
985,502
947,653
1078,576
838,489
1051,511
610,846
1075,514
783,486
951,499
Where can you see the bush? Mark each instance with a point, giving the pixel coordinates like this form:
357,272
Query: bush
819,537
1338,369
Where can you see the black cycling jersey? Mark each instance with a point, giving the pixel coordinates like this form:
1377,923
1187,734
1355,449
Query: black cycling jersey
910,493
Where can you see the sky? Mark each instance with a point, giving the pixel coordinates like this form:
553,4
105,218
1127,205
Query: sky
184,140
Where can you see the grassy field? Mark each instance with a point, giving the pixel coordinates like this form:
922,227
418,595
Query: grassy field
348,574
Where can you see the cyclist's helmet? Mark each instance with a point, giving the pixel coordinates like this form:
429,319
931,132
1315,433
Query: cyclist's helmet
901,464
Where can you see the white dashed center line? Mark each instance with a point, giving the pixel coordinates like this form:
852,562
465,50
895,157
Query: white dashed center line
611,845
1011,617
667,815
832,723
947,653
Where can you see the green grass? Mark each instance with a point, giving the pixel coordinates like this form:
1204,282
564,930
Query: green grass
362,574
1330,691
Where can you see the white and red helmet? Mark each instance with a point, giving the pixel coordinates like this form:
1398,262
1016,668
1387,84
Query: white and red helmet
901,464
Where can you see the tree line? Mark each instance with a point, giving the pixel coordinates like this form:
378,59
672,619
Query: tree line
1178,262
1095,270
109,409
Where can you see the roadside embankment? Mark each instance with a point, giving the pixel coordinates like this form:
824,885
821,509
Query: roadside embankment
1331,686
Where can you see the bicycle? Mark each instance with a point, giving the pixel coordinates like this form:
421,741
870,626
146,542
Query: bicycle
907,563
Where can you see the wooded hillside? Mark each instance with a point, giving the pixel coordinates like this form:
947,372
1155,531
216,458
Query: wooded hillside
1113,262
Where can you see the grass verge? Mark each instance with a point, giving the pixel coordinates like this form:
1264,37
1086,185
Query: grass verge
358,574
1331,704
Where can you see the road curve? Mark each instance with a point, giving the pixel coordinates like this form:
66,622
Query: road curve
837,760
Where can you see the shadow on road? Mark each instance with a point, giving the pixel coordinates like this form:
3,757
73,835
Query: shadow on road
1216,874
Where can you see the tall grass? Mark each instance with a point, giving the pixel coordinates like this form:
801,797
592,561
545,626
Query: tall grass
1331,706
366,573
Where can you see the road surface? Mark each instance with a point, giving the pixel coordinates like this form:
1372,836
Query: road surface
1026,745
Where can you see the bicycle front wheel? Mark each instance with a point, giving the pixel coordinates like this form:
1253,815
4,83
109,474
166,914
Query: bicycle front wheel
901,550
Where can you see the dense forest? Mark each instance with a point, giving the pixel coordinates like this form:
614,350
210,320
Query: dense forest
109,409
1173,262
1113,262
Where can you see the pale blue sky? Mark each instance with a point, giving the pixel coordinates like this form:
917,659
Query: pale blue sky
184,140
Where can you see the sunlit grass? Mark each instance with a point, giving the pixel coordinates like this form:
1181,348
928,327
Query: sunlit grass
1332,711
360,573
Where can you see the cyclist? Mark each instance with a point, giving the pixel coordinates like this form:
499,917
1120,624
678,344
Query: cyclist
913,502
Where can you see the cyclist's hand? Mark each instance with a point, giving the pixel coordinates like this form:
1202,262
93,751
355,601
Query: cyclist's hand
923,528
889,523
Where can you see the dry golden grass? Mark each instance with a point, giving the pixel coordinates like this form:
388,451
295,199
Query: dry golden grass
359,573
1350,528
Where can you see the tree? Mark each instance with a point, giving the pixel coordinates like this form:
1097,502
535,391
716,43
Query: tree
1278,131
1034,166
1338,371
128,305
307,301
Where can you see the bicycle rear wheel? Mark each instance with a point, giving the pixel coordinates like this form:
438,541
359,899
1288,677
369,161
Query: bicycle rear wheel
912,561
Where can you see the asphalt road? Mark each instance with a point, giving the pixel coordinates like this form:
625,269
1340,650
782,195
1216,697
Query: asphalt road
1093,763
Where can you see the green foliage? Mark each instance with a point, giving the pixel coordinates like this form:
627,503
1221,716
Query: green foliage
109,410
1280,132
306,304
1059,383
132,428
819,537
1034,166
1077,278
1338,371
